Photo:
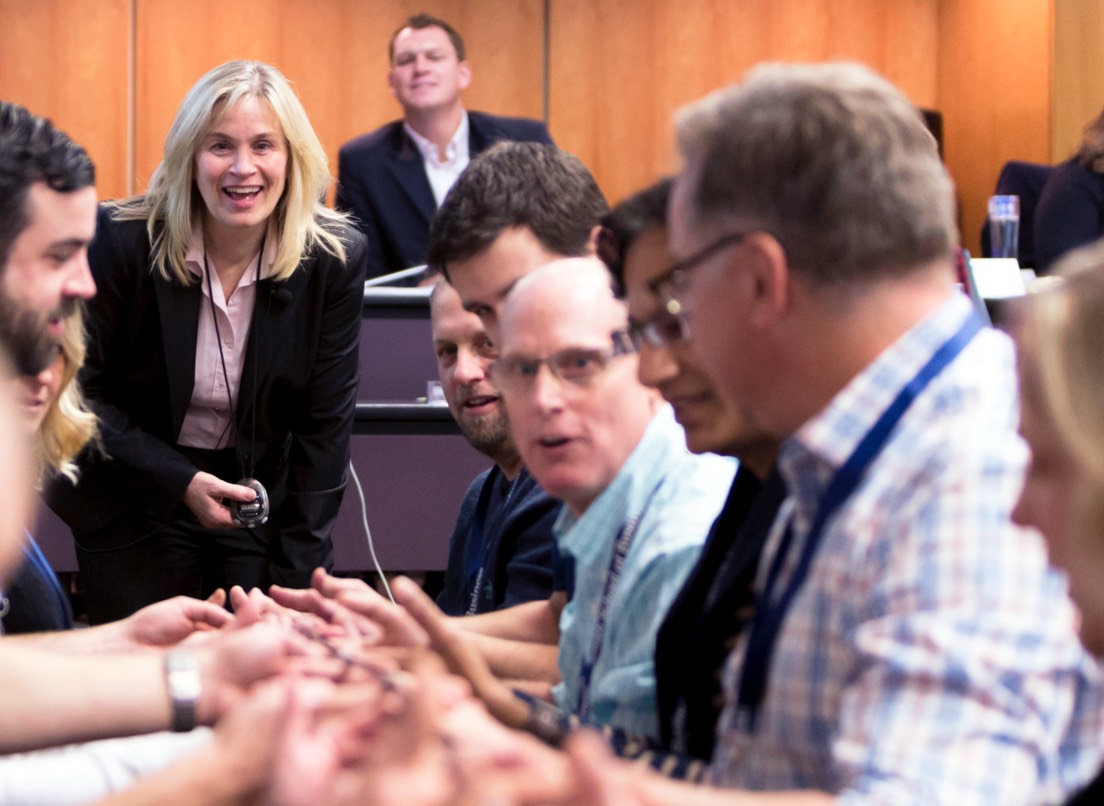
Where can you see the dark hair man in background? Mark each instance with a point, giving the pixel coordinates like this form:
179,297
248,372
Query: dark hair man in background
518,206
393,179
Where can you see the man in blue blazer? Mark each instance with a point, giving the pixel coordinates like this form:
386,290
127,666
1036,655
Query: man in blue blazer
393,179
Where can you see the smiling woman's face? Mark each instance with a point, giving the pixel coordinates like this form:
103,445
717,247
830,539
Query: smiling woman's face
241,169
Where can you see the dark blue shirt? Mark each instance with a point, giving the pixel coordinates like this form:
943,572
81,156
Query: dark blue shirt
500,553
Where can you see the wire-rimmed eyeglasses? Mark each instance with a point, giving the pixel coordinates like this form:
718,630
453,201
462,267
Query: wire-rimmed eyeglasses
575,365
671,285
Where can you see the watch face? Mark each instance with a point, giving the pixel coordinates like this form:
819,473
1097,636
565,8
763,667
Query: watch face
251,513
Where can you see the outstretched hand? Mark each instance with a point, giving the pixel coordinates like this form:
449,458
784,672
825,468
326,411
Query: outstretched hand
171,621
333,613
460,654
391,624
232,662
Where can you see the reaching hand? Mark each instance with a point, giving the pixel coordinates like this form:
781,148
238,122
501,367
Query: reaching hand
299,739
331,587
232,662
391,625
599,778
172,620
460,654
204,497
330,611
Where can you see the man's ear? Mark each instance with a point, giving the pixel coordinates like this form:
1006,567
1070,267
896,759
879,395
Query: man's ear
592,240
391,79
769,270
463,74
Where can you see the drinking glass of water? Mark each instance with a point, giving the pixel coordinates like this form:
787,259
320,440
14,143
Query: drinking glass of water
1004,225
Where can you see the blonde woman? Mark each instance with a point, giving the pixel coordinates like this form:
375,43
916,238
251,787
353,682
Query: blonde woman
54,411
1061,341
223,351
66,425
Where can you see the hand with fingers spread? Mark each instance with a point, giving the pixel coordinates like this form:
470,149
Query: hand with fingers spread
331,587
460,654
255,605
232,662
396,627
332,612
171,621
205,494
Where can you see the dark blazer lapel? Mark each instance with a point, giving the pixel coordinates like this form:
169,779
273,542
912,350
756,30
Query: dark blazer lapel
405,164
267,331
179,305
483,133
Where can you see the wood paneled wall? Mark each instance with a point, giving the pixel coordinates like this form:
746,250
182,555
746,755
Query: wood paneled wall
1078,84
334,52
994,91
620,68
69,60
616,70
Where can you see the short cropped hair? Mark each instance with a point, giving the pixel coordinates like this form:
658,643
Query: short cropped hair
644,210
420,21
830,159
172,205
532,185
32,150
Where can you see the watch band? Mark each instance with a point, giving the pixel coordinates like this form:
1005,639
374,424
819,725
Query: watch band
546,722
183,683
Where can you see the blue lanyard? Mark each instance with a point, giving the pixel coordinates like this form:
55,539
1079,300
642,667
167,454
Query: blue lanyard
479,547
35,557
769,617
613,573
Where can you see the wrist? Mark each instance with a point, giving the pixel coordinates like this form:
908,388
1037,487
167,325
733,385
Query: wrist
545,721
184,685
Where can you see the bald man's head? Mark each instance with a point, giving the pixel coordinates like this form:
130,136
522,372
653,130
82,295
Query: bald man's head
568,376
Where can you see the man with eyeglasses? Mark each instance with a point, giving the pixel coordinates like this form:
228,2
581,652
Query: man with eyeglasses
637,503
909,642
716,603
637,506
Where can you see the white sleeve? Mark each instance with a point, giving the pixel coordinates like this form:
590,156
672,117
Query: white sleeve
82,773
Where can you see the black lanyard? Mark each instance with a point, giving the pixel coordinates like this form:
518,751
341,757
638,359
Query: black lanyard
769,615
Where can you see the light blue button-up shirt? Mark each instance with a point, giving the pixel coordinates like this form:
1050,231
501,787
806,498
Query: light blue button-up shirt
674,496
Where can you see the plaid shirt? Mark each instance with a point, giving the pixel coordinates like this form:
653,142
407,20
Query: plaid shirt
931,655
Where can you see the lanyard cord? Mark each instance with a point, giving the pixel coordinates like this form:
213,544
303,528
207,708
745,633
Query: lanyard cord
222,361
767,622
478,539
613,574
